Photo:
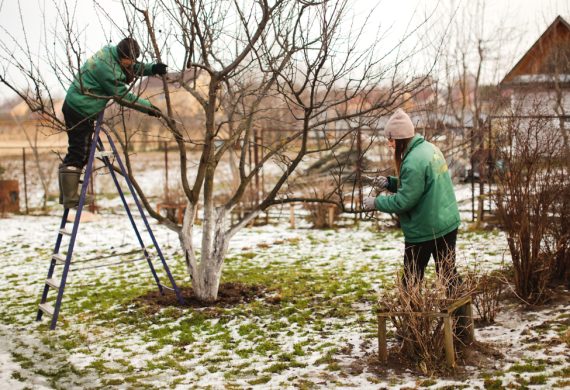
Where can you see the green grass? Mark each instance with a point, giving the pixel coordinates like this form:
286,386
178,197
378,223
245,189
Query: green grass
261,380
537,380
493,384
528,367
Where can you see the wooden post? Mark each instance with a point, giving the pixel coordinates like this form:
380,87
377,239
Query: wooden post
166,194
256,162
448,340
262,175
331,210
180,213
382,347
25,180
93,206
292,215
359,169
469,313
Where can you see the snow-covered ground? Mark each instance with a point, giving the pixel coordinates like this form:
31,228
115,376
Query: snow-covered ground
321,326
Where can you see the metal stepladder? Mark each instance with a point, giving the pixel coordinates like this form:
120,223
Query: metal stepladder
97,151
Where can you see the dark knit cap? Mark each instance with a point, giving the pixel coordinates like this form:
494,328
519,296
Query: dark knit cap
128,48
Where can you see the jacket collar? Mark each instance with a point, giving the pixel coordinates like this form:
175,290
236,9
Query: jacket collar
114,53
418,139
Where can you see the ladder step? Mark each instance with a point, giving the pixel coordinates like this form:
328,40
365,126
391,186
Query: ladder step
59,258
104,153
65,232
52,283
46,308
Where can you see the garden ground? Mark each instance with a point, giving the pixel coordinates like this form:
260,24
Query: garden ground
298,311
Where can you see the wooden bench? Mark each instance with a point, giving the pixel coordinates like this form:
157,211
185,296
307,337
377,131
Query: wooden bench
447,314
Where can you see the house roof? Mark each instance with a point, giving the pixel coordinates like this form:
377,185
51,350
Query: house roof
556,39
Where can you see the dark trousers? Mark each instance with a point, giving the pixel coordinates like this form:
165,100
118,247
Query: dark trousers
417,255
79,134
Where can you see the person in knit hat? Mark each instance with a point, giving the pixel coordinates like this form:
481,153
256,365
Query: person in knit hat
422,196
103,77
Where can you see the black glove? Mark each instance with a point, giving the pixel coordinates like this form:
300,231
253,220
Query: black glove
154,111
159,68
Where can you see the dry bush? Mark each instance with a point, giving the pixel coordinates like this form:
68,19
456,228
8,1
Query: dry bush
527,193
319,214
487,293
558,244
422,336
319,211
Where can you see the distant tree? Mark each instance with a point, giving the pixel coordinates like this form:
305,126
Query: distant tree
471,58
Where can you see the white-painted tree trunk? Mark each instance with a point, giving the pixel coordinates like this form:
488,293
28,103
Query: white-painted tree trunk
206,273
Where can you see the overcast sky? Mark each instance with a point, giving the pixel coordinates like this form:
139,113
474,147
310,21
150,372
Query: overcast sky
525,19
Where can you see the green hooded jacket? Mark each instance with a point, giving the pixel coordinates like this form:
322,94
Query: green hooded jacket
100,79
424,200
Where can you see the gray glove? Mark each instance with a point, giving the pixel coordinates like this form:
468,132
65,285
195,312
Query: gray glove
380,182
368,203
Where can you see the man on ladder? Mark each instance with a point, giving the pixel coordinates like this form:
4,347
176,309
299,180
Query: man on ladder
104,76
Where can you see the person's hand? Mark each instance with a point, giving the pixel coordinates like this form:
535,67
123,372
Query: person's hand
159,68
380,182
154,111
368,203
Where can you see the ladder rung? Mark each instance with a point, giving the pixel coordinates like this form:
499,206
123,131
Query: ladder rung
59,258
105,153
46,308
52,283
65,232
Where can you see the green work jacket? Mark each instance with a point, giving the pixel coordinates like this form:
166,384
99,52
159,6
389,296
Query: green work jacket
423,197
100,79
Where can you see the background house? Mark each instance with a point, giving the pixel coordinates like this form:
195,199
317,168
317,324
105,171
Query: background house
539,84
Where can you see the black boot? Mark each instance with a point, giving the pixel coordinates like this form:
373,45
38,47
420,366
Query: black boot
68,187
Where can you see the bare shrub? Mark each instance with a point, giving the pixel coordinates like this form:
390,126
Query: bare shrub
416,307
527,192
322,215
487,292
558,246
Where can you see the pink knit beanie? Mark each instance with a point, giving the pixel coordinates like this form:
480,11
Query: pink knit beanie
399,126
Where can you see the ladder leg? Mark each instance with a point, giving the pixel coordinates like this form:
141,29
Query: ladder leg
147,225
53,262
76,222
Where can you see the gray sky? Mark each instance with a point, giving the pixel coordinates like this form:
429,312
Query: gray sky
525,19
